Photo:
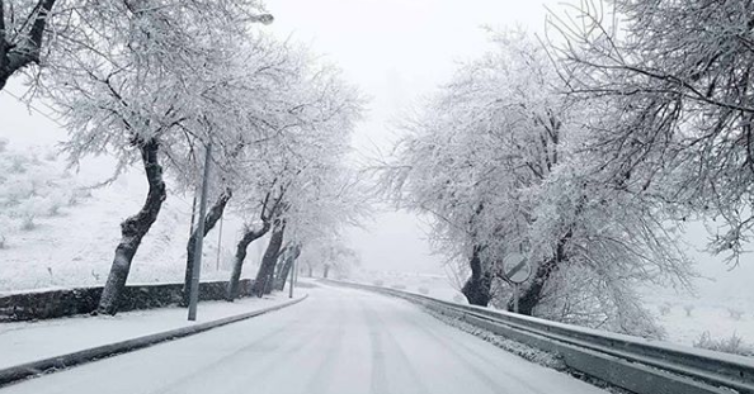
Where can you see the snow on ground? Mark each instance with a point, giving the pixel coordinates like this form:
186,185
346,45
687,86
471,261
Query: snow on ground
430,284
337,341
30,341
76,246
719,296
717,317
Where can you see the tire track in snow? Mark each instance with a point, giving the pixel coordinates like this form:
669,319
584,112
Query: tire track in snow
258,347
323,375
263,379
378,381
383,344
459,357
404,363
458,348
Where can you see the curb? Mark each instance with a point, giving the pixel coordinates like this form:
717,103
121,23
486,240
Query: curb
35,368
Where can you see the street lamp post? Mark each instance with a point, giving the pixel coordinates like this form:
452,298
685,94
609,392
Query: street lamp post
292,274
264,19
196,269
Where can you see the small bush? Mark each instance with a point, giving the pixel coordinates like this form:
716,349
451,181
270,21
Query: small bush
735,314
733,344
54,208
423,290
664,309
27,223
688,308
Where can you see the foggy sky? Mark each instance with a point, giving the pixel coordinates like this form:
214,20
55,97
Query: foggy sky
398,52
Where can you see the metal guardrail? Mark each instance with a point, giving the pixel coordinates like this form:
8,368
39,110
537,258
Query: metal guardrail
635,364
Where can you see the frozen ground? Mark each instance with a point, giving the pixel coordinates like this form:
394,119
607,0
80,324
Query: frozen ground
337,341
76,246
25,342
718,319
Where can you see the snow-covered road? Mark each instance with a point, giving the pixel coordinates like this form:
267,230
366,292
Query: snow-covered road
338,341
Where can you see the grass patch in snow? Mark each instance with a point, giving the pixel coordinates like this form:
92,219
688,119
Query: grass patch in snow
732,344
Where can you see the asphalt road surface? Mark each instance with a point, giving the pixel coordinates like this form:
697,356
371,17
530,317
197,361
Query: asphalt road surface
337,341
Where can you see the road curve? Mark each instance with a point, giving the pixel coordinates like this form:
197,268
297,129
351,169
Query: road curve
338,341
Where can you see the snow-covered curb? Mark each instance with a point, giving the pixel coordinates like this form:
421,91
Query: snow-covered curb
526,352
18,372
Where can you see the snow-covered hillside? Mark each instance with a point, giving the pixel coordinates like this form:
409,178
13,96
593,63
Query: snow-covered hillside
75,246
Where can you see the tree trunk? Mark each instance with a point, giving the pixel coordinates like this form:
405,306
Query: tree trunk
235,276
477,288
326,271
134,229
266,273
269,283
25,52
285,270
213,216
533,294
310,271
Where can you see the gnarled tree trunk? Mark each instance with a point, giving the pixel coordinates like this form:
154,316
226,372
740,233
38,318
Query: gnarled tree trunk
16,56
134,229
477,288
533,294
266,274
235,276
213,216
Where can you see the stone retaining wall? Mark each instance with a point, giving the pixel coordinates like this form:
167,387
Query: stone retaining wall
66,302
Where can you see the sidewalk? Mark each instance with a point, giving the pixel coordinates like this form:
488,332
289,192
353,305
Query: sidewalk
25,342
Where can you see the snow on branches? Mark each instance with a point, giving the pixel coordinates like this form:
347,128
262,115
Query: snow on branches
674,82
497,160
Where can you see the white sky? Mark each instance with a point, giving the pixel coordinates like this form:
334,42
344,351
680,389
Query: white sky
398,51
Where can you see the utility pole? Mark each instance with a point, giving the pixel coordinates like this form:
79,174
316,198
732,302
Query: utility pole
264,19
195,273
292,274
219,243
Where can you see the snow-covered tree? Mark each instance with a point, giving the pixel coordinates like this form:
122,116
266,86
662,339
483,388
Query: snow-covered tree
327,254
22,33
284,171
143,91
496,160
673,81
252,110
37,32
335,198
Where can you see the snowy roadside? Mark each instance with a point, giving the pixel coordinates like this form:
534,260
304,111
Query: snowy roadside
30,341
524,351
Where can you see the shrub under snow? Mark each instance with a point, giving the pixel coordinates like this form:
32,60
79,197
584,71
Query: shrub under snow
31,187
733,344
